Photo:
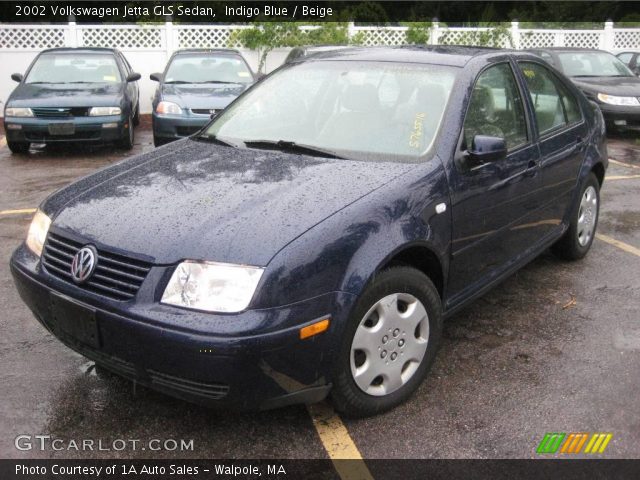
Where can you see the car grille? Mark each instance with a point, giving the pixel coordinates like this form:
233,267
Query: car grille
115,276
203,111
60,112
215,391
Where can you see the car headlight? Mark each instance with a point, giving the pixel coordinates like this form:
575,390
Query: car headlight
18,112
214,287
168,108
38,232
612,100
104,111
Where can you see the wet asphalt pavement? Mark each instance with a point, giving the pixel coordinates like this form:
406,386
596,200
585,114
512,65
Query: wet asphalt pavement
554,348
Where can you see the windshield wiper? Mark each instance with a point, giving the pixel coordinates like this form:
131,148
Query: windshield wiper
177,81
287,146
213,139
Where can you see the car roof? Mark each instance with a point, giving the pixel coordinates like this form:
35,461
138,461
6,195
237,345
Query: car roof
183,51
567,49
453,55
81,50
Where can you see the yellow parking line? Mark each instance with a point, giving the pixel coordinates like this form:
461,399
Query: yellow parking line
617,243
623,164
19,211
621,177
339,445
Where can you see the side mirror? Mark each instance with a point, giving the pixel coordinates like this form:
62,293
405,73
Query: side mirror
17,77
133,77
487,149
156,77
259,75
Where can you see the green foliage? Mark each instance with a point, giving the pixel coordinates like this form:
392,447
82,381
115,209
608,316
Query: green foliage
495,35
418,33
265,36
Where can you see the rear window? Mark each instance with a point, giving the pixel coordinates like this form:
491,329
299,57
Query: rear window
208,69
74,68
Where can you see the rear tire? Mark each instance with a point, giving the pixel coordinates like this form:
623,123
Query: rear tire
18,147
400,314
126,142
577,240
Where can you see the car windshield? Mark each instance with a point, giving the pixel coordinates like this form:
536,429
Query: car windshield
362,110
593,64
74,68
207,68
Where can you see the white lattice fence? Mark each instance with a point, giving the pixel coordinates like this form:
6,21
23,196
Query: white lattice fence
626,39
31,37
193,36
369,36
583,39
537,38
123,37
473,36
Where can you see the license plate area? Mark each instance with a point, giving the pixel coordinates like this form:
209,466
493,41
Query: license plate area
67,128
74,320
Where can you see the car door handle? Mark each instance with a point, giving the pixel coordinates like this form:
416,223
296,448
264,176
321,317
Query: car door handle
532,169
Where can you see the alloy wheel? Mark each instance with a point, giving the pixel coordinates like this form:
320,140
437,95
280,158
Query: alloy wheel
587,215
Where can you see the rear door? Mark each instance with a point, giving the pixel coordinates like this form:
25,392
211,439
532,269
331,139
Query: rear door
562,135
494,205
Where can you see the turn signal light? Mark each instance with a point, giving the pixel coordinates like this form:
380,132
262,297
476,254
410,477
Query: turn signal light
314,329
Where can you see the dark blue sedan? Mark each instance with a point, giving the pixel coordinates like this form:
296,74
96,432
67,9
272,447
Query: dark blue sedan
195,85
312,239
73,95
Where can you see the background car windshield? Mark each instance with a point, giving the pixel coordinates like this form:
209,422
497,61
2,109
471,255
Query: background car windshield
74,68
363,110
593,64
207,68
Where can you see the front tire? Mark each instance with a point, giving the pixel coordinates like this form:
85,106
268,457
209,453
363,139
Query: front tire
126,142
136,117
18,147
577,240
389,343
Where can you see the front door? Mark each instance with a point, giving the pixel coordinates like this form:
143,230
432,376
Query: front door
495,206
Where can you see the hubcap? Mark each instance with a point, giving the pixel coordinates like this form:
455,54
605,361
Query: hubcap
587,215
389,344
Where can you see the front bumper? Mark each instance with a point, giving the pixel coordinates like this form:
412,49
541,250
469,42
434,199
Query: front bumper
171,127
621,116
85,129
259,362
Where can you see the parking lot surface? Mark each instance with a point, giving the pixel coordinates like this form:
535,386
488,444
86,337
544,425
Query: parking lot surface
554,348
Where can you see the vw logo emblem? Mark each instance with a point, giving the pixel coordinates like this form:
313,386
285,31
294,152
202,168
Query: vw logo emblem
83,264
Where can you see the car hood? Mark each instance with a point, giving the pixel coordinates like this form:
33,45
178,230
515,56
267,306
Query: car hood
620,86
66,95
201,201
210,96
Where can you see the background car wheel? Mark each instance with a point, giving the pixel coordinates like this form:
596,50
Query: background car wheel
577,240
136,117
126,141
18,147
389,344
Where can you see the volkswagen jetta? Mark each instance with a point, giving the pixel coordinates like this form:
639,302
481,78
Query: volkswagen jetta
313,237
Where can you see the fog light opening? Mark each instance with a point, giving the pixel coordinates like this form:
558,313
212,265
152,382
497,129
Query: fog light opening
314,329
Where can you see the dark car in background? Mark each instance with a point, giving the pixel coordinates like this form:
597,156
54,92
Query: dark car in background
297,53
313,237
195,85
604,79
631,60
73,95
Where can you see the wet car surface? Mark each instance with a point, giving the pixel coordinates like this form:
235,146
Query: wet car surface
556,347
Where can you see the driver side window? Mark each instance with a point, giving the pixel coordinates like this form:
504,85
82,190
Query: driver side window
496,109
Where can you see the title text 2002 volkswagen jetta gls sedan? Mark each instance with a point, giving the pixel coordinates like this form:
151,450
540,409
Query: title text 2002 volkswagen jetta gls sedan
311,239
